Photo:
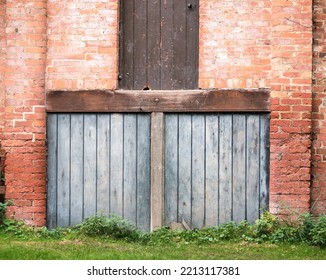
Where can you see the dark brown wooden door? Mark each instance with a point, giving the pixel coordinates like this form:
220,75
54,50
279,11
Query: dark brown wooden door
159,44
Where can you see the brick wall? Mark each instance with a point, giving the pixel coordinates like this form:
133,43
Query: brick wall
319,109
2,60
23,137
2,88
291,106
73,44
82,44
235,44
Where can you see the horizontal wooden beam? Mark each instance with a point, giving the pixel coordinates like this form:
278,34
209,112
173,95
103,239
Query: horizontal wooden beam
235,100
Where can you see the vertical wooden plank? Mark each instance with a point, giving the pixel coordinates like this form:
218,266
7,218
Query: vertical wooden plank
225,169
90,165
264,162
143,171
103,163
140,49
167,44
51,215
153,44
130,167
198,171
239,167
77,168
171,169
159,44
253,171
157,170
192,45
180,44
116,165
185,158
126,44
211,176
63,180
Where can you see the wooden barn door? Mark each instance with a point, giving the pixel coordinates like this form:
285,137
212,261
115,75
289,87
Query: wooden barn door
98,164
159,44
216,168
203,160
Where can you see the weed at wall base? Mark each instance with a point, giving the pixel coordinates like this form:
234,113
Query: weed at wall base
3,210
267,229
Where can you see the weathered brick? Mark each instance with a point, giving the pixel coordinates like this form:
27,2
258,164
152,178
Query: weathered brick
73,45
23,92
318,194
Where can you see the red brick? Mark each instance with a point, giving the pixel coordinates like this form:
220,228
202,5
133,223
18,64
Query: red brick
243,44
319,88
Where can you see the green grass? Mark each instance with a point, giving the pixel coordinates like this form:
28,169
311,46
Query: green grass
88,248
113,238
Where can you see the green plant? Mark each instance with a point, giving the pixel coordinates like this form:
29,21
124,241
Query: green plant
113,226
307,229
285,234
268,228
306,223
56,233
226,232
265,227
2,176
3,210
318,232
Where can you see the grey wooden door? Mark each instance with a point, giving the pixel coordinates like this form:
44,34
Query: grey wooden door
98,163
159,44
216,168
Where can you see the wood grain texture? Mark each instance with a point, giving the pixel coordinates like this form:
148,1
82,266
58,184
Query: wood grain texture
103,163
63,171
140,37
184,167
264,163
253,167
159,101
204,169
126,38
158,44
225,169
130,167
90,164
239,167
98,163
154,45
116,166
143,171
179,45
198,171
77,169
171,168
157,170
216,168
52,142
212,174
192,46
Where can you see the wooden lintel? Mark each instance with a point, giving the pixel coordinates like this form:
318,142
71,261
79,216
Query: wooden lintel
235,100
